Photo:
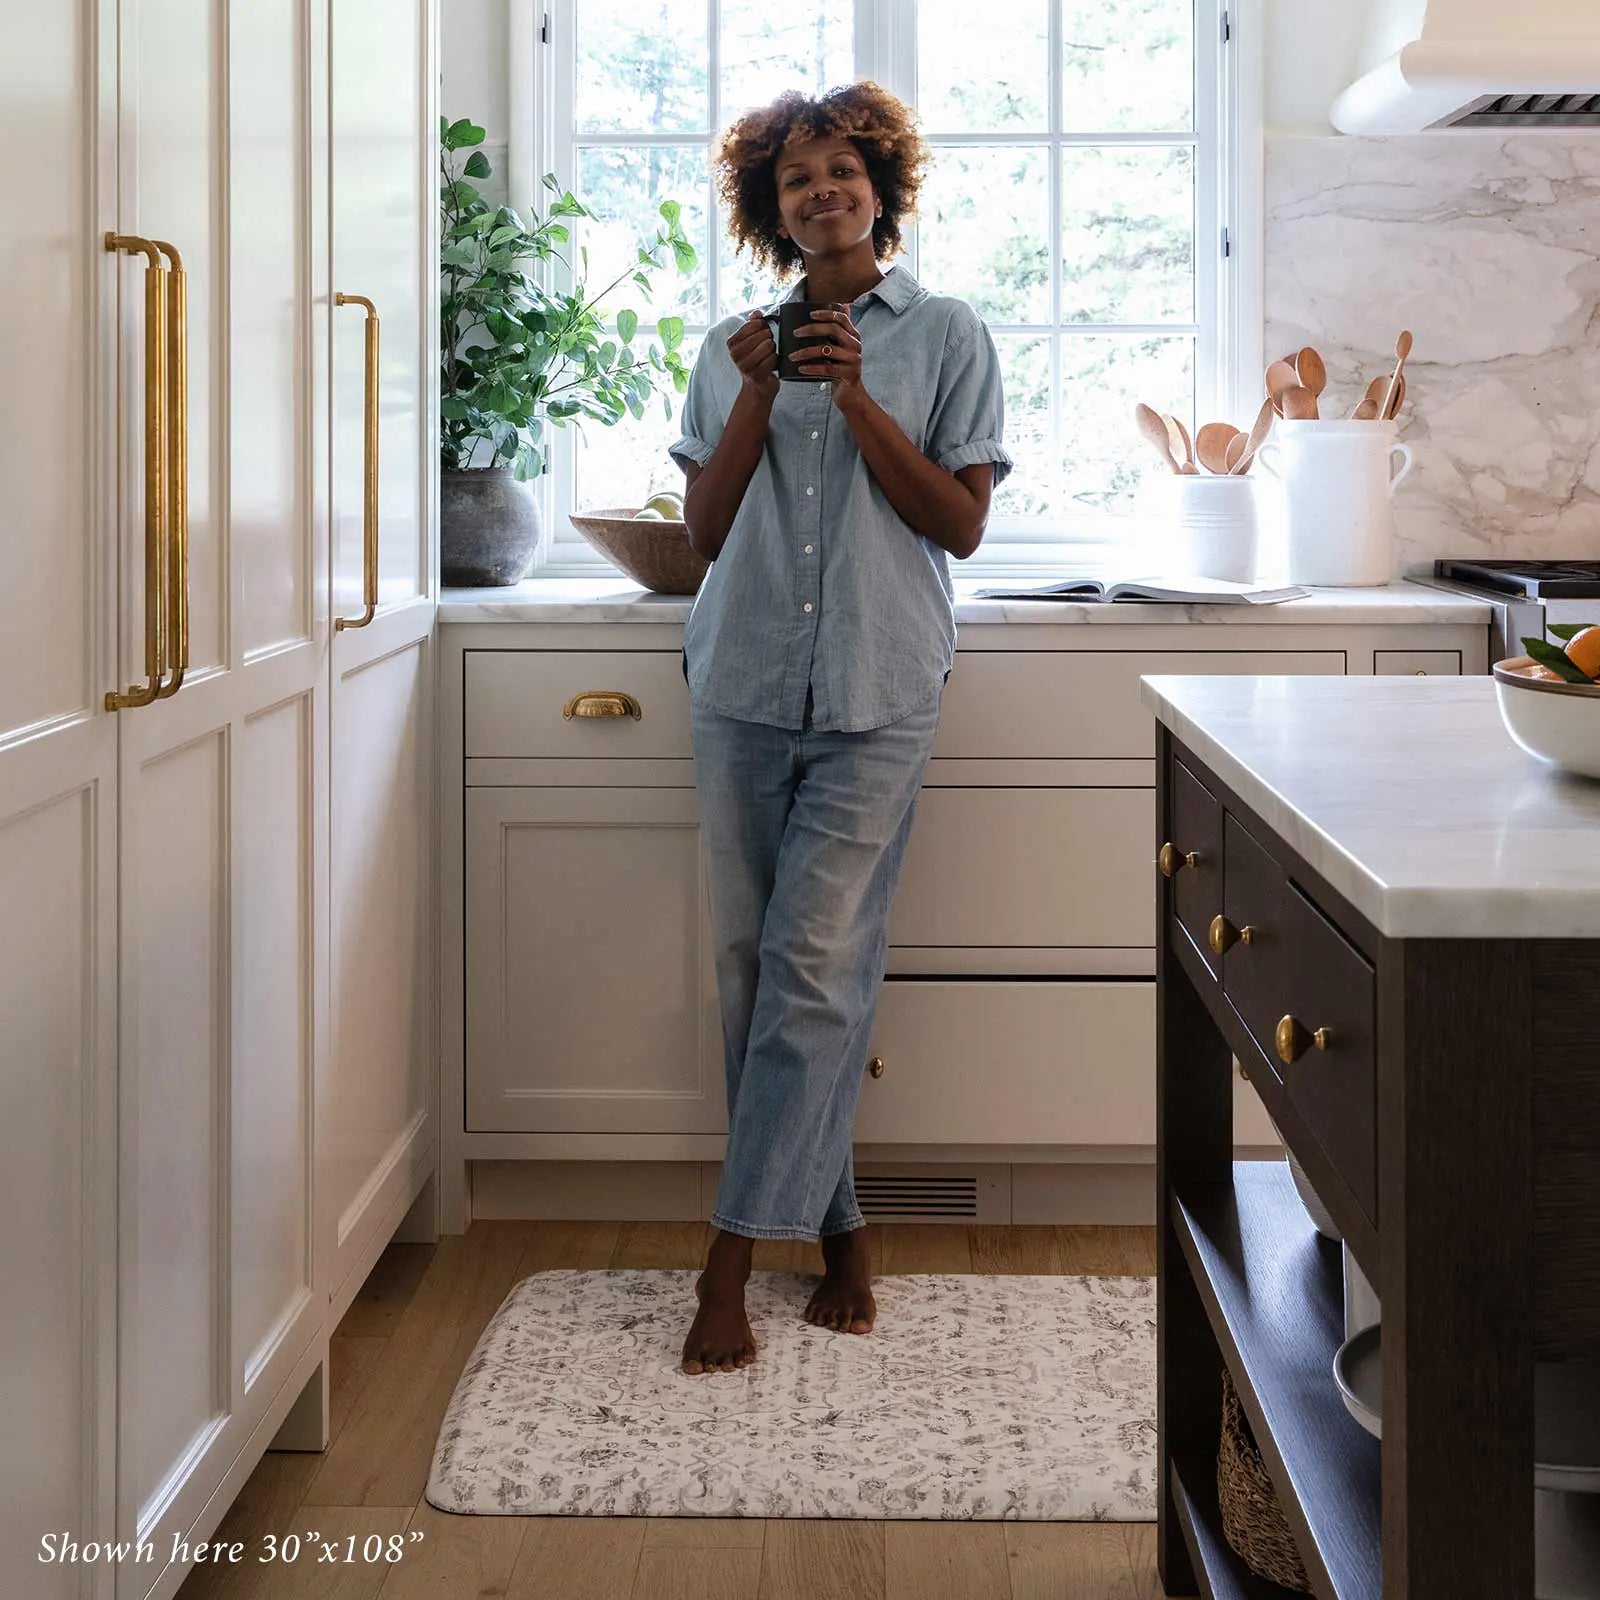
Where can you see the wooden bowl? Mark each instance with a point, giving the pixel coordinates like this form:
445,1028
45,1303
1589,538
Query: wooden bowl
1557,722
654,553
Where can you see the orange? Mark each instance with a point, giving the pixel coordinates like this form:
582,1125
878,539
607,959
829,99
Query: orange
1584,651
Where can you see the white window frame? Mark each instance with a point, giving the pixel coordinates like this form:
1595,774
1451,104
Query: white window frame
1227,137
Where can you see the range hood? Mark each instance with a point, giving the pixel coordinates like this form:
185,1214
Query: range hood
1448,65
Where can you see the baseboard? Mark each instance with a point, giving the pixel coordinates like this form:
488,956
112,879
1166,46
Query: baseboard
1110,1194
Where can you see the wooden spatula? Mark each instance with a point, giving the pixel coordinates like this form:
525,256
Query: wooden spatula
1212,443
1258,437
1281,377
1154,427
1312,372
1402,349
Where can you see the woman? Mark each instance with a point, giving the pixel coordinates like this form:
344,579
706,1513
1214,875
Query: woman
816,655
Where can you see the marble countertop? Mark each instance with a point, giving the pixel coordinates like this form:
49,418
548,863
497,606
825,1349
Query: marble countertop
1407,795
613,599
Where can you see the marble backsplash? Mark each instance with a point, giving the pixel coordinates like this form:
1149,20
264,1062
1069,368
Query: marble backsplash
1488,248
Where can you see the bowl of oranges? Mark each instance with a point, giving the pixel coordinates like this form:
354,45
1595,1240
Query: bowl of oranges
1550,698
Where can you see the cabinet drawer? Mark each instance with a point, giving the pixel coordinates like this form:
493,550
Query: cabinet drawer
1256,970
1196,828
1332,986
1011,1063
1066,705
515,700
1028,867
1417,663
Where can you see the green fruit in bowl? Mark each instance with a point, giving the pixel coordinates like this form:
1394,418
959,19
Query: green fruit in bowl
668,504
649,514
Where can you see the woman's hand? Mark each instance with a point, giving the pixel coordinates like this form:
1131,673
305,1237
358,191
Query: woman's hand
837,358
755,354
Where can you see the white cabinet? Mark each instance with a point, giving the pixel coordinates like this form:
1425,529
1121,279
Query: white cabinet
167,857
591,994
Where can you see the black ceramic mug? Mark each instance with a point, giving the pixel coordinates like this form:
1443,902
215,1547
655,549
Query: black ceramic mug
792,351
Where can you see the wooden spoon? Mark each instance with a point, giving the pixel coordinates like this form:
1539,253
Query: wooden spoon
1154,427
1182,446
1236,449
1280,378
1312,371
1298,404
1402,349
1211,446
1258,437
1367,410
1399,398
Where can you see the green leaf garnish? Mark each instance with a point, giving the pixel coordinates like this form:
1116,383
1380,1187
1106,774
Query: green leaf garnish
1558,661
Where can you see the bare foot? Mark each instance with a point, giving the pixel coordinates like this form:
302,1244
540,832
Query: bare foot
720,1339
843,1300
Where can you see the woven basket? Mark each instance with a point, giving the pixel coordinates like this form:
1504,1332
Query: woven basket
655,554
1252,1521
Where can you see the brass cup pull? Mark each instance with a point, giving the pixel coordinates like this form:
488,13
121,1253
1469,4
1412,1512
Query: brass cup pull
1294,1039
1171,861
602,703
1223,936
875,1066
369,468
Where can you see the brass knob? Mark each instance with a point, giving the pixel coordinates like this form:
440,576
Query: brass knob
602,703
1294,1039
1170,860
875,1066
1223,936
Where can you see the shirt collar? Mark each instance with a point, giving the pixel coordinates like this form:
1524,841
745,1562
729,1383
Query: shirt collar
896,289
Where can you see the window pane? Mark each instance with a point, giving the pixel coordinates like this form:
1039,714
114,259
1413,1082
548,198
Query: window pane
624,465
1127,235
743,285
641,66
626,187
983,230
767,49
1000,83
1103,377
1127,66
1025,374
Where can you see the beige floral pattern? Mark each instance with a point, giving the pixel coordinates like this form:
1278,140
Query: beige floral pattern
977,1397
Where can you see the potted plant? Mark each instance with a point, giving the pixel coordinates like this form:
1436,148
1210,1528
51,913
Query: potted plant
518,357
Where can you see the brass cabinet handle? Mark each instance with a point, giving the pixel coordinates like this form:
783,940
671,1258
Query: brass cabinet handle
177,469
602,703
1171,861
156,466
875,1066
1223,936
369,469
1294,1039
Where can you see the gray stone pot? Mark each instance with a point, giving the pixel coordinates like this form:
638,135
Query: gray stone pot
488,528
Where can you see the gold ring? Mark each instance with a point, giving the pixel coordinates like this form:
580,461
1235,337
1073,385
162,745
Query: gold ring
827,349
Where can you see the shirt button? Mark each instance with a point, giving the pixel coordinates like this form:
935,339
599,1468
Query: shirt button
814,433
808,605
808,549
809,489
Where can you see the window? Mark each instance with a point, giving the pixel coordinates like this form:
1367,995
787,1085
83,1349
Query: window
1090,166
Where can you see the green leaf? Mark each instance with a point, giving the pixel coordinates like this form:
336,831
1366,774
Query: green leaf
453,408
550,181
683,254
671,331
462,254
1558,661
671,210
1569,630
462,133
627,325
477,165
643,282
636,406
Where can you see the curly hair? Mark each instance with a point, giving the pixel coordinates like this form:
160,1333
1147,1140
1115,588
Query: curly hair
883,130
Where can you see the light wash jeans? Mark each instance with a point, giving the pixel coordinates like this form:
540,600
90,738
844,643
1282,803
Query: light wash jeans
804,833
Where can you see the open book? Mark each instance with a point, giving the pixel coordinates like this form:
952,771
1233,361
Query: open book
1182,591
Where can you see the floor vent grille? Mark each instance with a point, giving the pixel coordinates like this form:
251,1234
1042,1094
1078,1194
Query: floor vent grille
887,1197
1530,111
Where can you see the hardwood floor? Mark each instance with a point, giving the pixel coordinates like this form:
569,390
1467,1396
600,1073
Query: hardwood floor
402,1345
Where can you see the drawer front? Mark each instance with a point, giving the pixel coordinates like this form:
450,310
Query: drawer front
1255,971
1332,986
1029,868
1011,1063
515,700
1417,663
1080,705
1196,829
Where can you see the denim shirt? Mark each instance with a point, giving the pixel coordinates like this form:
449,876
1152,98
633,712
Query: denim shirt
821,588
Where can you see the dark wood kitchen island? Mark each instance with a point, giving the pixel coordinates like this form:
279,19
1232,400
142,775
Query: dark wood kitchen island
1391,917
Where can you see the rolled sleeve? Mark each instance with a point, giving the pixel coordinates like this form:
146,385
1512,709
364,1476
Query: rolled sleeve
968,423
702,417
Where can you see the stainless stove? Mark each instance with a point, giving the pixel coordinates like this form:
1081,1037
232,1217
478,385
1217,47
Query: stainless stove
1527,597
